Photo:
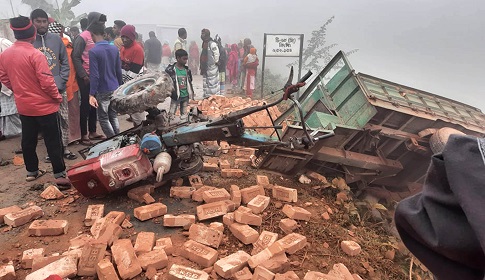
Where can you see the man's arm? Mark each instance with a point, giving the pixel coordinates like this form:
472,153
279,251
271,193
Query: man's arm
215,51
64,63
93,73
118,70
77,56
4,77
44,75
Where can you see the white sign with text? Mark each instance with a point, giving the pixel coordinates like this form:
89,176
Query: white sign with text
283,45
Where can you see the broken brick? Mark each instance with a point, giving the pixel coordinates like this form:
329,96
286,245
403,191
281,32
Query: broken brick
235,195
182,192
263,273
266,254
232,173
231,264
215,195
293,242
211,210
179,272
285,194
92,253
125,259
150,211
109,234
228,219
296,213
199,253
288,225
8,210
137,193
244,215
148,199
115,217
326,216
106,271
245,152
198,194
51,193
315,275
7,272
195,181
48,227
164,244
276,264
205,235
247,194
41,262
243,274
97,226
259,204
210,167
178,221
244,233
350,248
126,224
289,275
316,176
217,226
340,271
94,212
157,259
65,267
24,216
29,255
144,242
265,240
263,181
239,162
224,164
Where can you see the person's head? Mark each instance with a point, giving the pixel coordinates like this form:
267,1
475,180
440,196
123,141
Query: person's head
23,29
97,31
94,17
151,34
109,35
40,20
252,51
234,48
247,42
205,34
181,56
84,24
56,28
128,35
118,24
182,33
74,31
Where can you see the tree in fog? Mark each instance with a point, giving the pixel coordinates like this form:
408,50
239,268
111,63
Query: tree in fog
61,13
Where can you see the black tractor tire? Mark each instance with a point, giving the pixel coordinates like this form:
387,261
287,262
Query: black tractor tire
438,140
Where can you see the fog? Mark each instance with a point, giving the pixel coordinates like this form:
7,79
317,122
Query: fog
432,45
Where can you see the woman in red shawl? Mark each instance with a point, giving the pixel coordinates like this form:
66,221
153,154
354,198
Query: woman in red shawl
233,65
194,55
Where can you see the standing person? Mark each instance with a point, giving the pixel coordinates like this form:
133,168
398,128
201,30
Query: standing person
209,69
109,35
181,42
194,55
132,60
250,63
245,51
105,76
24,70
166,54
233,65
118,24
52,46
10,124
84,24
80,58
74,32
182,81
153,52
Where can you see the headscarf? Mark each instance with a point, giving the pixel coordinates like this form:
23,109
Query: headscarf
129,31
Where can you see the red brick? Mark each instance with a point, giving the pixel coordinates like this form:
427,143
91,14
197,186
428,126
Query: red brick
259,204
213,160
215,195
262,273
157,259
205,235
8,210
92,253
97,226
29,255
48,227
150,211
195,181
232,173
94,212
24,216
230,205
148,199
289,275
340,271
178,182
247,194
314,275
51,193
210,167
245,152
325,216
66,267
179,272
285,194
125,259
109,234
106,271
115,217
217,226
277,264
296,213
182,192
199,253
7,272
244,233
265,240
126,224
357,277
228,219
288,225
244,215
178,221
239,162
224,147
138,193
350,248
231,264
211,210
198,194
235,195
224,164
263,181
39,263
269,252
243,274
144,242
164,244
316,176
293,242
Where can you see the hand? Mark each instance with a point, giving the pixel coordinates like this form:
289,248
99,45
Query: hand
93,102
86,80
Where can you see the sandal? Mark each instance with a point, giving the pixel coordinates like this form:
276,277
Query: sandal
70,156
86,142
97,137
39,174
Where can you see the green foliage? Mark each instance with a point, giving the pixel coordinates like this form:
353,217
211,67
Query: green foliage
62,14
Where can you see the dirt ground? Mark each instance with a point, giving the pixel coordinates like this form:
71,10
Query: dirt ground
378,246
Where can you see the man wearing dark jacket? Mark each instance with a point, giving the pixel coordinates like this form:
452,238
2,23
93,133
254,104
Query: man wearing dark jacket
153,52
80,59
182,83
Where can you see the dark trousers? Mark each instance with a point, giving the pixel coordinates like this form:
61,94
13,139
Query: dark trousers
50,127
88,115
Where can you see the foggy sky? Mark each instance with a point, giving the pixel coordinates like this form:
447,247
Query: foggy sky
432,45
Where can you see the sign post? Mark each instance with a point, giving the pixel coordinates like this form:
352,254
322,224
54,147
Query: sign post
282,45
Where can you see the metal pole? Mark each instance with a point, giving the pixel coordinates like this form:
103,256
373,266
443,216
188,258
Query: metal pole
300,62
264,64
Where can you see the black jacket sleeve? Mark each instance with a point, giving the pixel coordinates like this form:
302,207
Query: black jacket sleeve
77,57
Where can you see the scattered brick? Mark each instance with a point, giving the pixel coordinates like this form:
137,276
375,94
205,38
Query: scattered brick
316,176
244,215
106,271
182,192
65,267
350,248
289,275
211,210
217,226
228,219
247,194
224,164
232,173
157,259
263,273
109,234
51,193
137,193
75,252
296,213
293,242
230,205
215,195
178,221
239,162
8,210
92,253
178,182
115,217
144,242
125,259
340,271
150,211
205,235
285,194
314,275
235,195
94,212
357,277
245,152
390,254
97,227
199,253
179,272
325,216
148,199
7,272
288,225
224,147
164,244
210,167
265,240
48,227
151,272
277,264
39,263
269,252
24,216
29,255
244,233
198,194
263,181
259,204
243,274
213,160
229,265
126,224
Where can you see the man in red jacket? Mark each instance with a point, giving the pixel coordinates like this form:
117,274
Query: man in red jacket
25,71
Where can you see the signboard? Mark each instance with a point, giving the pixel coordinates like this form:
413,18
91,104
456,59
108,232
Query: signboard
283,45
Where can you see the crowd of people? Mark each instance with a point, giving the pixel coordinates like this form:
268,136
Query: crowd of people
57,81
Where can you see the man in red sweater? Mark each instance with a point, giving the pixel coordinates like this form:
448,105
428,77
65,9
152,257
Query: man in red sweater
25,71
